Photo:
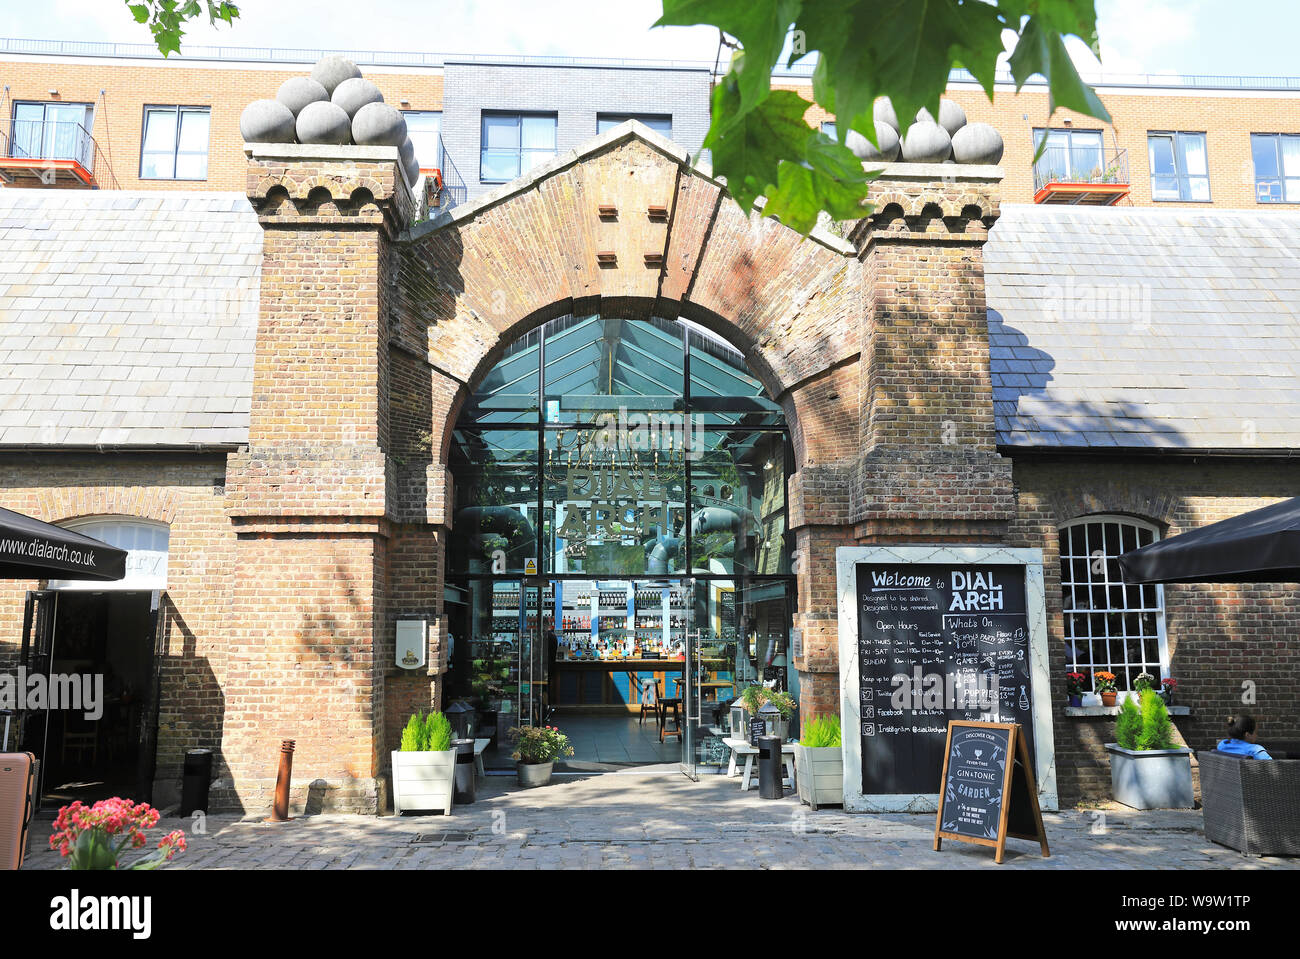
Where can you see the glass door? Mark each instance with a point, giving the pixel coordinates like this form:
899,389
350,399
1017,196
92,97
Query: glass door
710,677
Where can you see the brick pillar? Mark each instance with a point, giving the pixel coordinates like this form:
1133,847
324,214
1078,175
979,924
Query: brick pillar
309,498
925,467
929,470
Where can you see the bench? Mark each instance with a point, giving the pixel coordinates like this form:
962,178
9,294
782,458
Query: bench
741,747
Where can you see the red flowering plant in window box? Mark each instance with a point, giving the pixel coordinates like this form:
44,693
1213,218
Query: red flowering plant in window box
95,837
1075,687
1167,688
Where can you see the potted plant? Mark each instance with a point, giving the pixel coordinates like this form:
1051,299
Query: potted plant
96,837
1105,685
757,696
536,749
1147,770
819,762
424,765
1074,687
1143,681
1167,688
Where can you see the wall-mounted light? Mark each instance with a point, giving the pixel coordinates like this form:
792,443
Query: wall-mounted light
54,93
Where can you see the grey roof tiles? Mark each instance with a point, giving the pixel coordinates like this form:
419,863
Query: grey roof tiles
1127,327
127,318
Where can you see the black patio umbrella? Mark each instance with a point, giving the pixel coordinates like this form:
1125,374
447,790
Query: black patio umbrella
30,549
1262,546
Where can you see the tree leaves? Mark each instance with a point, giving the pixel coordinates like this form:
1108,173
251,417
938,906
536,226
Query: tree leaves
167,18
866,49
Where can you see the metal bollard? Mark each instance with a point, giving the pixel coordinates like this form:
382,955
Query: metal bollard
280,812
466,788
769,767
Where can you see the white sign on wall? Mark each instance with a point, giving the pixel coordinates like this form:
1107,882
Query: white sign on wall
412,643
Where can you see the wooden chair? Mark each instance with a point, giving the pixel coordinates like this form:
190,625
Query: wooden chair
665,706
649,700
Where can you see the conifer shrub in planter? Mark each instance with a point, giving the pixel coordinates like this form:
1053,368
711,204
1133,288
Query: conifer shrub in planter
1147,770
424,766
819,762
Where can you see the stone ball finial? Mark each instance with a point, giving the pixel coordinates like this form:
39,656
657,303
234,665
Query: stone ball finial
378,125
926,142
410,163
324,122
951,116
883,113
330,71
296,92
977,143
267,121
354,93
863,150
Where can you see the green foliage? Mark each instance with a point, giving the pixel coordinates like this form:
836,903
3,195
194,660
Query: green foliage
820,732
1157,731
539,744
412,734
756,696
426,733
167,18
437,732
902,49
1127,724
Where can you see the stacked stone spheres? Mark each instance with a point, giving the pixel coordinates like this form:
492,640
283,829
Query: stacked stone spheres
334,105
950,139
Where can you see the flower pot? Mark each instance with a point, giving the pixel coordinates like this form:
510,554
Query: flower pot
1151,778
534,774
819,774
424,780
1108,699
1076,700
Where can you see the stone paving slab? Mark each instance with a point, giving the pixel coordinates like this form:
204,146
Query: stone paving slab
668,822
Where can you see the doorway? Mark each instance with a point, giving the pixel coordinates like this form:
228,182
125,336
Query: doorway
95,737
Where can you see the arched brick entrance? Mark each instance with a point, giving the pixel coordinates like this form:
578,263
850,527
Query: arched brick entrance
372,333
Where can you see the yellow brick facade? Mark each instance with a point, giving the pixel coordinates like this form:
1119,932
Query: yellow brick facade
120,90
1226,118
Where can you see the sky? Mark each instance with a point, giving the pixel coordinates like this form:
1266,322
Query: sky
1241,38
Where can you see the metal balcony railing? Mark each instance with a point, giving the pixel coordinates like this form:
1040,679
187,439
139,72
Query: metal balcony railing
1080,165
51,140
452,188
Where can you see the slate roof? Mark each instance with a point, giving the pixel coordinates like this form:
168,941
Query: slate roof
1136,327
126,318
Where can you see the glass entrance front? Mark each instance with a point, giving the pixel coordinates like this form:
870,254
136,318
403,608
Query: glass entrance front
618,534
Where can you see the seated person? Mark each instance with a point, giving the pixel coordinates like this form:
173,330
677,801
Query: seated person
1241,739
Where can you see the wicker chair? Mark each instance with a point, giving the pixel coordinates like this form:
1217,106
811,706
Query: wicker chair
1251,805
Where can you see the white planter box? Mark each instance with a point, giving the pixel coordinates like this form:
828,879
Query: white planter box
424,780
1151,778
819,773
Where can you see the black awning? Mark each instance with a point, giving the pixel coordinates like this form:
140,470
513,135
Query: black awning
30,549
1262,546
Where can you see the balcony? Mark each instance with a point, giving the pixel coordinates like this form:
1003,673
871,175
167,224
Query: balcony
444,184
1081,176
48,153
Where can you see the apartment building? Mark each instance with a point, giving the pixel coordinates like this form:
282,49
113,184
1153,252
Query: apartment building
118,116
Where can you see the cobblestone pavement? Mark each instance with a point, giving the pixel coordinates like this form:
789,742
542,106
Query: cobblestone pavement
668,822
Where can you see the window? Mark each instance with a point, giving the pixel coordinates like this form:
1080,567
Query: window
425,131
175,143
1277,167
1109,624
1179,169
145,542
1071,156
52,131
661,124
514,143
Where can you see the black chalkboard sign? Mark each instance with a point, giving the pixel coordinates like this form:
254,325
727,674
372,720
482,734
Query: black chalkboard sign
986,789
936,643
757,727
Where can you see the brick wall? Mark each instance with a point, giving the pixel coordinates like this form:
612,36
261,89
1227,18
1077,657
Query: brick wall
119,92
1219,636
185,491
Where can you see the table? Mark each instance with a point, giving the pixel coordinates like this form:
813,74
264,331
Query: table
479,746
741,747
